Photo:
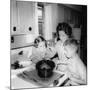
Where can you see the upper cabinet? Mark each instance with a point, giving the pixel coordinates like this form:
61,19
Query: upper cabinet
23,17
13,17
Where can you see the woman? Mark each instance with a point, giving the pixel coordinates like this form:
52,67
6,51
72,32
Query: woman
64,32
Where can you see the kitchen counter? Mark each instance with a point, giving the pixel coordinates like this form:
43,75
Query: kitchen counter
18,81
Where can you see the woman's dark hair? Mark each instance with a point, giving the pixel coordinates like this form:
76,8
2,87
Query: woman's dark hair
64,27
38,40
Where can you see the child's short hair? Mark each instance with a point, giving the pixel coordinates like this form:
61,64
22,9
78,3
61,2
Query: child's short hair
64,27
38,40
72,42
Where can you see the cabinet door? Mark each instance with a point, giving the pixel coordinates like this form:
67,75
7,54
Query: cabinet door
25,15
13,17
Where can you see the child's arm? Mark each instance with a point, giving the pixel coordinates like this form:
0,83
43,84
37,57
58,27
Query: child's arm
36,55
76,78
81,71
50,53
79,81
72,80
62,80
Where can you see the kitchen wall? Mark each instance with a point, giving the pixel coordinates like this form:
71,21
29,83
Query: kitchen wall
48,22
53,16
26,53
60,13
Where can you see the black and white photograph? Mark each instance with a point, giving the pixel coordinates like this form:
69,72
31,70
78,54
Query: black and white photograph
48,44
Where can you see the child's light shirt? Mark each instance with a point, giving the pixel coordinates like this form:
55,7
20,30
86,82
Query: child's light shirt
74,67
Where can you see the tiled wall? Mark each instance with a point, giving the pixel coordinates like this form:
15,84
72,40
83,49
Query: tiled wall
26,52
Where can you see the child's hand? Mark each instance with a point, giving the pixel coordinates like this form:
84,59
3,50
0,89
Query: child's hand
62,67
55,82
50,52
35,58
77,79
75,76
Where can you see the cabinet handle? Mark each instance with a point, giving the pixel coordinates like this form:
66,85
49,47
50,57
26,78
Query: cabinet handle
20,53
30,28
14,28
12,39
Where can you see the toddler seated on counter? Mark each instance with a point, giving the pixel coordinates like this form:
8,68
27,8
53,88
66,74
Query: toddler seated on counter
73,68
40,51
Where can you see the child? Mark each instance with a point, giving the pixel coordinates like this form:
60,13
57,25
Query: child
39,49
73,67
76,65
38,52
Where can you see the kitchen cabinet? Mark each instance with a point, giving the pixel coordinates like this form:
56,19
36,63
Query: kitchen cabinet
13,17
23,17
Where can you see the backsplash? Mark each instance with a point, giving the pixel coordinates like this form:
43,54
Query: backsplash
17,54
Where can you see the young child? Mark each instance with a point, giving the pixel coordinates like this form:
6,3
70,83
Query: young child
38,52
39,49
73,67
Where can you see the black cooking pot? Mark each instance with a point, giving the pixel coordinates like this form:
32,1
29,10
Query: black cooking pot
45,68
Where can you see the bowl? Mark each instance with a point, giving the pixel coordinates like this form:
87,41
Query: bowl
45,68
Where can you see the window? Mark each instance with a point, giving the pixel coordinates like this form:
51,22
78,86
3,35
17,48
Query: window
40,18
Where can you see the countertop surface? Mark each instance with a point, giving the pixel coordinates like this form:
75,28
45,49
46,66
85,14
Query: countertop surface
18,81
